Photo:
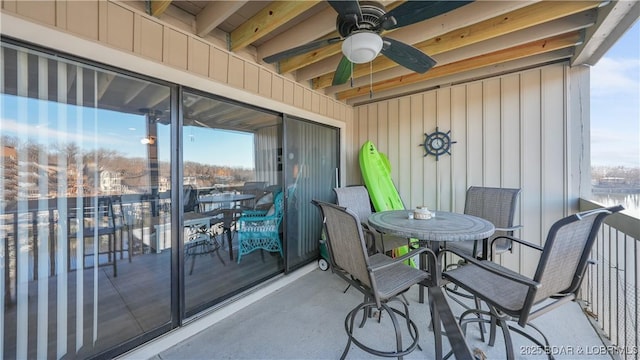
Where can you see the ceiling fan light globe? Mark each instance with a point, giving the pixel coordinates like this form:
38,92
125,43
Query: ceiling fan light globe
362,47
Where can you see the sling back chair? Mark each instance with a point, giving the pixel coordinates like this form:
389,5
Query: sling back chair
380,278
513,297
496,205
356,199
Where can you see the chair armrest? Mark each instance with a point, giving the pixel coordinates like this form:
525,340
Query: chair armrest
519,241
254,212
519,279
404,257
370,237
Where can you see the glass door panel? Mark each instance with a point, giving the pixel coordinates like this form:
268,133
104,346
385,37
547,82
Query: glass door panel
311,159
230,172
85,153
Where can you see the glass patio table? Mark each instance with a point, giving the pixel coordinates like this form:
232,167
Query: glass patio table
225,198
443,227
229,212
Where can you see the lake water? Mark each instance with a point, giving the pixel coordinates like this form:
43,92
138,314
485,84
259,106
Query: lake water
631,202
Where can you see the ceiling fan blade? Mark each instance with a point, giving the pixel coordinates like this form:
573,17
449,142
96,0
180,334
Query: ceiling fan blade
347,8
343,72
407,55
298,50
412,12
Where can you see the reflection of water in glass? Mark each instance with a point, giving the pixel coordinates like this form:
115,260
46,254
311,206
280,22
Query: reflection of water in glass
631,202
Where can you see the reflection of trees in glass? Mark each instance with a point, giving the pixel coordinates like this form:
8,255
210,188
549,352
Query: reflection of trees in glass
82,170
206,175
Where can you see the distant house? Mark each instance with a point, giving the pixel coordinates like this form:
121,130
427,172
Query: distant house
110,182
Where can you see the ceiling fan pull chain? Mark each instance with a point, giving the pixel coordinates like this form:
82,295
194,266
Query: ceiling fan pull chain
351,73
370,79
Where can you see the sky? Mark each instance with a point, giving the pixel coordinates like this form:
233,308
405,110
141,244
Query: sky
218,147
615,104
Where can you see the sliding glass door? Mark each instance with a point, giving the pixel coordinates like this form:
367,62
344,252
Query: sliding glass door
230,174
98,254
311,157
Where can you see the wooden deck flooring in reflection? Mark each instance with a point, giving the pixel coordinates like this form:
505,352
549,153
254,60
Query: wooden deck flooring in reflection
131,304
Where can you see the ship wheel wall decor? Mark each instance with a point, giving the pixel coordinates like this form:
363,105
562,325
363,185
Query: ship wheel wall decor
437,143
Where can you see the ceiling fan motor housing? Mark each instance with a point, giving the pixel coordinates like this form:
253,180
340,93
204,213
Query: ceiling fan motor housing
362,40
371,13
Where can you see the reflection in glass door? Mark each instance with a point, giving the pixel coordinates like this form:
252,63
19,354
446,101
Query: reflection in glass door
232,190
85,155
311,162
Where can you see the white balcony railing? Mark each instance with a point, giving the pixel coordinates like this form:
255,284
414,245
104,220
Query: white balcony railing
609,294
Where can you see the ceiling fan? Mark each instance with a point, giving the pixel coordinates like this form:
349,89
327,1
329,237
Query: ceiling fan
360,25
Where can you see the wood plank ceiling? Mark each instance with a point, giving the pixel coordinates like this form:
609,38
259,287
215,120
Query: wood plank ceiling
479,39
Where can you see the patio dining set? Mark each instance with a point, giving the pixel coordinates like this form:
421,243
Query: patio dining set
375,253
254,213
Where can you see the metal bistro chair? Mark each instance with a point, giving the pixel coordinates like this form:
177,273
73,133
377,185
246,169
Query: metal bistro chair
496,205
380,278
514,297
356,199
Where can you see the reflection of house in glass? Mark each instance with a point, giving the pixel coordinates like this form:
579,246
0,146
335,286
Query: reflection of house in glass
9,168
110,182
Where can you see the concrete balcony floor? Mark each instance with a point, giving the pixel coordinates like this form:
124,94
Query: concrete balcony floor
301,316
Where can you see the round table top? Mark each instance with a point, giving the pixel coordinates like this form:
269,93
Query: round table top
445,226
213,198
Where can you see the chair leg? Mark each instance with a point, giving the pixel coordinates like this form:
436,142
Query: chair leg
349,324
436,324
492,331
476,300
193,264
507,338
230,243
112,240
546,347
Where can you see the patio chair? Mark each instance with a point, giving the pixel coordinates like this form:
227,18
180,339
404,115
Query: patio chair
356,199
258,230
256,188
496,205
93,218
380,278
190,200
121,225
514,297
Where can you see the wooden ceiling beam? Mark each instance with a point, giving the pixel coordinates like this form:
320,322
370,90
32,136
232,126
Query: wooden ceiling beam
466,76
514,53
297,62
158,7
320,24
214,14
616,17
520,19
267,20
